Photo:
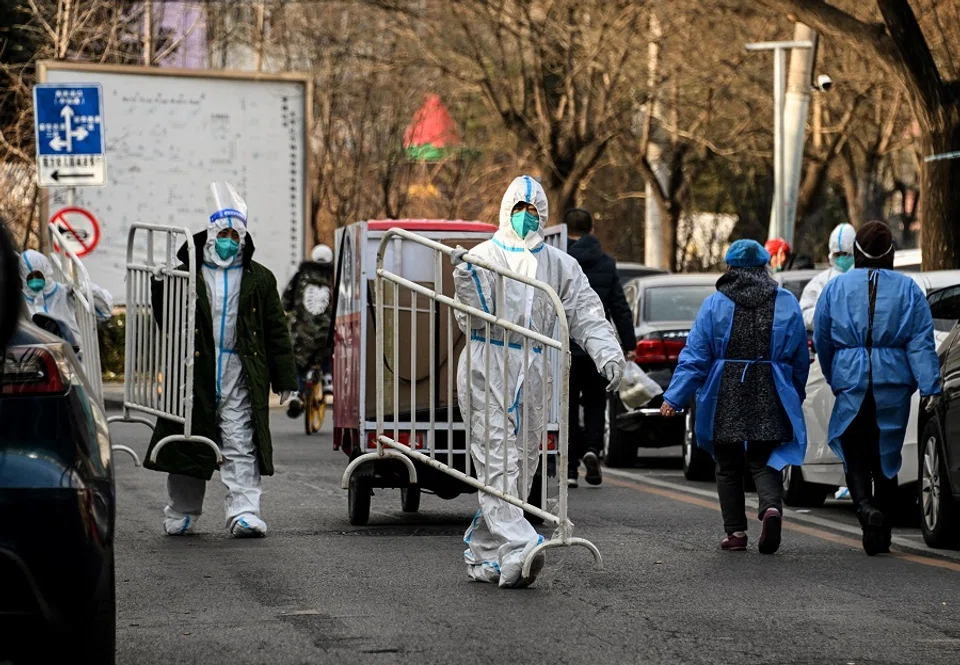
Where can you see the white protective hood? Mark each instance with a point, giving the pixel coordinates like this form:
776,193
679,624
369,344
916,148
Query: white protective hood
227,210
523,188
841,240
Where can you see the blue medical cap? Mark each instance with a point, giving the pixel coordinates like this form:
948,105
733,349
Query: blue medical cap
747,254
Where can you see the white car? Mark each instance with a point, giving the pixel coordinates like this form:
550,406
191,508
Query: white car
822,471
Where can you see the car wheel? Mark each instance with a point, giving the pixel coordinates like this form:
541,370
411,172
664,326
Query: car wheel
697,464
939,509
621,452
358,500
410,498
798,493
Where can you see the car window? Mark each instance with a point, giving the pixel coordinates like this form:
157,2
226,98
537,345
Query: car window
674,303
796,286
945,308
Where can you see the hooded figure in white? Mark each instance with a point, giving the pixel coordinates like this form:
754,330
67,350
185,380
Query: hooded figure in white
500,537
841,260
222,272
44,295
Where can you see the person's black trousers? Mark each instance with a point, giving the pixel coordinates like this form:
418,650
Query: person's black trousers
733,462
588,388
869,488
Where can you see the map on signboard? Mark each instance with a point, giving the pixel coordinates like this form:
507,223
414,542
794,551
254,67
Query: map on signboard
171,135
68,120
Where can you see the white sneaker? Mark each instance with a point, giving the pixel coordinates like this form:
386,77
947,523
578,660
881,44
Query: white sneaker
248,526
180,526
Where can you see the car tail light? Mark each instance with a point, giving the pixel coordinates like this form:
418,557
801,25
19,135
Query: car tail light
655,350
30,370
673,348
551,441
402,437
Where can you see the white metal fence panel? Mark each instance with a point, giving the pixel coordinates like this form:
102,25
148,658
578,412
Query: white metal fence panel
412,432
71,272
161,295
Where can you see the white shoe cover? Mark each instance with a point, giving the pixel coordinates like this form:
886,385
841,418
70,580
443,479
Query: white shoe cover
512,567
180,526
248,526
488,571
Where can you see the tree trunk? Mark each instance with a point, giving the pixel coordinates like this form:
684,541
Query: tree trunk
940,189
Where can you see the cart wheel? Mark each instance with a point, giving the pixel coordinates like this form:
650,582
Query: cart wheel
314,410
358,501
410,498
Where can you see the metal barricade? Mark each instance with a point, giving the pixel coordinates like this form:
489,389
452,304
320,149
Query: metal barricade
70,271
161,318
425,428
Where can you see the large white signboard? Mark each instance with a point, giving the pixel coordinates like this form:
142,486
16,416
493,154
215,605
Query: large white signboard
172,133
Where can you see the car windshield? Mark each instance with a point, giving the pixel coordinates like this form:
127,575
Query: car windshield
674,303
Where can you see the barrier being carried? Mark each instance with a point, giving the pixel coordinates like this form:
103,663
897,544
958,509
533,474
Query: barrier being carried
418,434
161,319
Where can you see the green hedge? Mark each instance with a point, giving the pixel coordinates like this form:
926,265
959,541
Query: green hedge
112,346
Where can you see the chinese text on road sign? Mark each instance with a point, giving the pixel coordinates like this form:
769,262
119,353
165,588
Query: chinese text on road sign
79,228
69,132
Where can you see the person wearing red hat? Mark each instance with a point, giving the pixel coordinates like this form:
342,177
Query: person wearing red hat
782,256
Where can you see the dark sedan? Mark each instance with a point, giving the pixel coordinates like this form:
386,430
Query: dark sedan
938,446
57,499
664,308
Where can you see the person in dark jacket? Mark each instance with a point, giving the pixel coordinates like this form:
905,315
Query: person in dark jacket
587,385
242,349
746,360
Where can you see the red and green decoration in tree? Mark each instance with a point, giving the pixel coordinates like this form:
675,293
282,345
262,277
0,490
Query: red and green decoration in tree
432,136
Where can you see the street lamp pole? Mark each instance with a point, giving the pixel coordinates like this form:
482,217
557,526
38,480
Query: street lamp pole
779,218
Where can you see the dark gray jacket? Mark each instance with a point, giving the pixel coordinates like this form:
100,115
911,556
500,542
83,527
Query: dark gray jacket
601,271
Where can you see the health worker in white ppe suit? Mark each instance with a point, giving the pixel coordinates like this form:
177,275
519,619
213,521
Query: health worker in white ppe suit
44,295
243,346
841,260
500,538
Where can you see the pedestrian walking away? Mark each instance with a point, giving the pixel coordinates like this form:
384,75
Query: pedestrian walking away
307,303
746,360
242,349
500,538
840,245
586,383
873,334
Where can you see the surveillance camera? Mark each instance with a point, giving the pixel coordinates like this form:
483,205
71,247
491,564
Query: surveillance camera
824,83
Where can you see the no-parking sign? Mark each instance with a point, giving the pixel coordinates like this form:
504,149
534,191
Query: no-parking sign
79,228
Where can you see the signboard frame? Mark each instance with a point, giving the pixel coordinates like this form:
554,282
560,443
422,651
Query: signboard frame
309,229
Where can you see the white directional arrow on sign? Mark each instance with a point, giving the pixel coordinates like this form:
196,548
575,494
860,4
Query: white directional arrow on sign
58,143
67,115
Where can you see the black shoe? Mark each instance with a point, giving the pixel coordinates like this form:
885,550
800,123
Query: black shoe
872,523
592,462
573,479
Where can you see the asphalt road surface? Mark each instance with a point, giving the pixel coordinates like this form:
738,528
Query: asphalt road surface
318,590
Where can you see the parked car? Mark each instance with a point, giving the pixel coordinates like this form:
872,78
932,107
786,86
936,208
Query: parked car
822,471
907,260
57,499
664,309
795,281
938,454
628,271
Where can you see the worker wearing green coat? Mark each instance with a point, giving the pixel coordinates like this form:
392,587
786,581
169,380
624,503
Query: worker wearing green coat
242,349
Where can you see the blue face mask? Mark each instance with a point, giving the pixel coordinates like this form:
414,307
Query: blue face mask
36,284
524,222
844,263
227,247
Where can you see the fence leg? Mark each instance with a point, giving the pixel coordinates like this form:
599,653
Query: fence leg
372,457
126,449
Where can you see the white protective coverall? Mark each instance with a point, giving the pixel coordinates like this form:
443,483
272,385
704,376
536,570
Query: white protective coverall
240,472
54,299
841,241
499,537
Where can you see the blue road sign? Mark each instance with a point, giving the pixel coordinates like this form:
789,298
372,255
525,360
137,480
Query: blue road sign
69,133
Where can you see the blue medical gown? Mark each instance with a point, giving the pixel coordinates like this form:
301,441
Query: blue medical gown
700,369
904,355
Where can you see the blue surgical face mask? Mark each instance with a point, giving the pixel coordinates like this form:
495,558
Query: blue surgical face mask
227,247
524,222
844,263
36,284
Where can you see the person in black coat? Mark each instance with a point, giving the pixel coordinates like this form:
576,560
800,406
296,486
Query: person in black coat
587,386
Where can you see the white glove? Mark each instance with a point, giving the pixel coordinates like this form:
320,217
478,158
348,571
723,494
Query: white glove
933,401
456,258
284,396
613,372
